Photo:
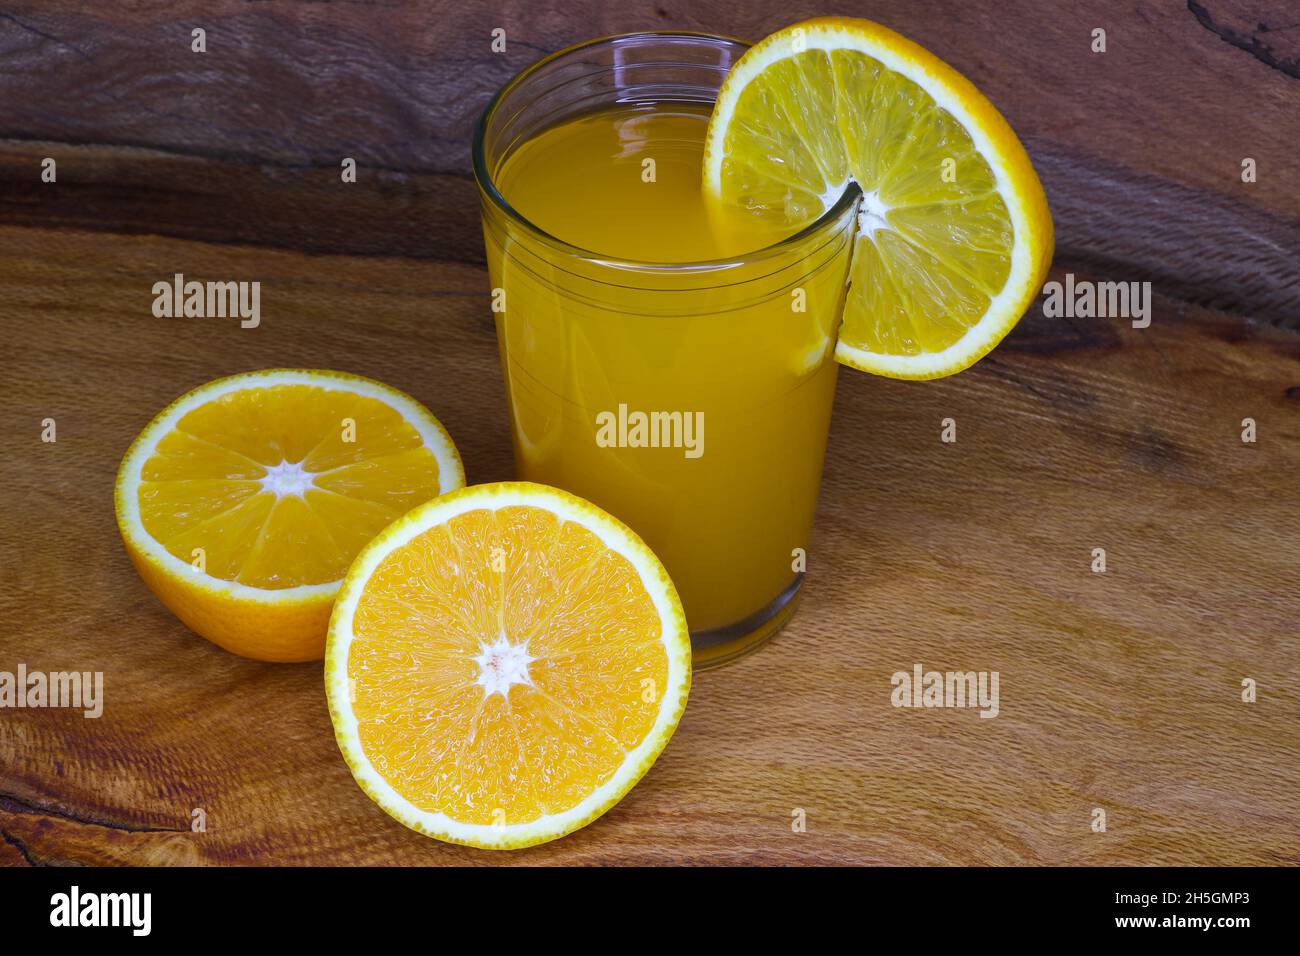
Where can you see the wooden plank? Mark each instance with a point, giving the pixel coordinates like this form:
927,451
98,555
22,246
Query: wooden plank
1140,148
1119,691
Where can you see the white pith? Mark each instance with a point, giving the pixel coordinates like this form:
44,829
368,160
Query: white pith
873,214
502,664
451,474
289,479
635,763
829,38
831,195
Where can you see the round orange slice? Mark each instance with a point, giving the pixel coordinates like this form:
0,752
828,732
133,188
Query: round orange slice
954,235
504,664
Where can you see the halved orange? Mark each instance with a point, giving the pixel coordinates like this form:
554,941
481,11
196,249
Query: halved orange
243,503
504,663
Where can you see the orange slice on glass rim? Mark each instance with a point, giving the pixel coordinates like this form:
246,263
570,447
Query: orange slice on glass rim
954,235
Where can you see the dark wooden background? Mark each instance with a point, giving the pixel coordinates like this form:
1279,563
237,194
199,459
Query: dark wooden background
1120,691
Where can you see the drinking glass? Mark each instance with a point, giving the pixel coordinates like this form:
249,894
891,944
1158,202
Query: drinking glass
740,349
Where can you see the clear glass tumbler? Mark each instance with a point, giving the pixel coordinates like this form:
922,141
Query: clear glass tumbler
737,352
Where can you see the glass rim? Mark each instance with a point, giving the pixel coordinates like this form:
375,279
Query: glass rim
487,187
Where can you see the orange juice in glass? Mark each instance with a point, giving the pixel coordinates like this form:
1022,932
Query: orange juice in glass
670,361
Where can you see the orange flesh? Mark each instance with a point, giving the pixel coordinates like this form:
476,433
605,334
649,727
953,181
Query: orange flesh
203,485
421,628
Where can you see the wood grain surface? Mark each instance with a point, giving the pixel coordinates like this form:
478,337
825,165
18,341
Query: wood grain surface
1119,691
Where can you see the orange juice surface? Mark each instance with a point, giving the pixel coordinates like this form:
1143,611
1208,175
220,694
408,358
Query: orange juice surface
689,401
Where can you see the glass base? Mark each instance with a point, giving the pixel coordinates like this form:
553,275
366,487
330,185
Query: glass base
722,645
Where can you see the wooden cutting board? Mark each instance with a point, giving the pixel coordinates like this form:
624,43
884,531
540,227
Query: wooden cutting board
1120,691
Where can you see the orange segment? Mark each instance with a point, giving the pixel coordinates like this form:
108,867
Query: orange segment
504,663
293,548
226,538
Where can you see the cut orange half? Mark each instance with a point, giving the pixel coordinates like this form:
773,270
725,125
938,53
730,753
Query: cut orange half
504,663
243,503
954,235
